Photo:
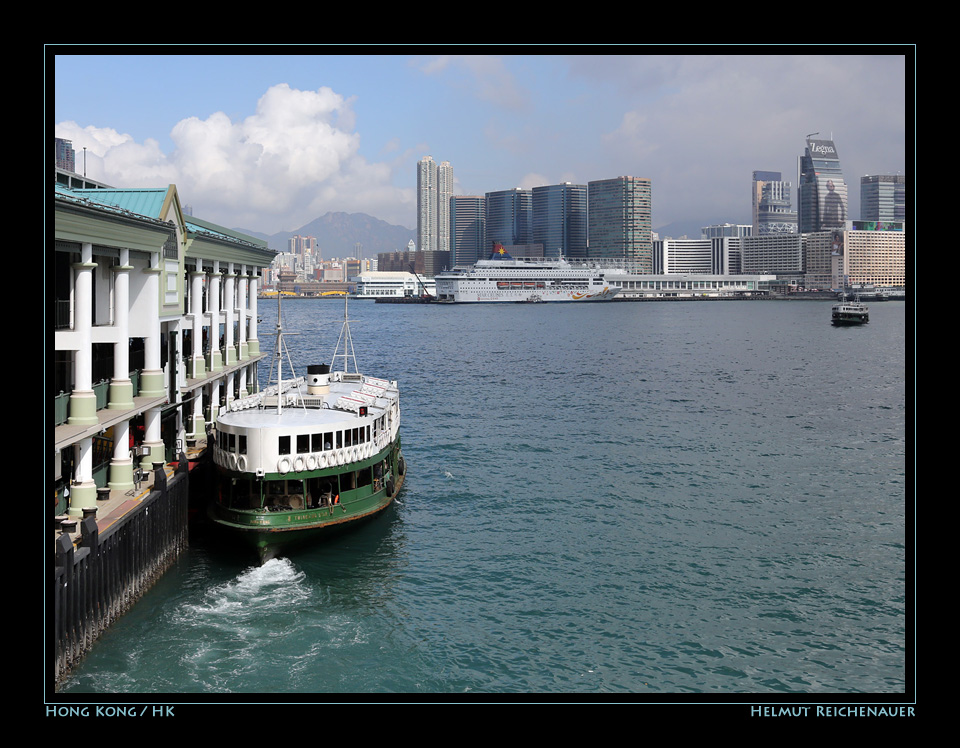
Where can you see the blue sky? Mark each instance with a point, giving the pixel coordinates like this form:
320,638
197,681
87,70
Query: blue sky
272,140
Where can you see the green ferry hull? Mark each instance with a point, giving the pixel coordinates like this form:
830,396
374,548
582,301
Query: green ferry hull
271,534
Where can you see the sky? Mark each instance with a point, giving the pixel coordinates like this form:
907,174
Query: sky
269,141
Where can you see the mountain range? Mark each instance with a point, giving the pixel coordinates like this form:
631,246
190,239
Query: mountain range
338,233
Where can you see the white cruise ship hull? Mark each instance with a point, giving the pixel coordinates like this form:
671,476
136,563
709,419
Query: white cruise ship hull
515,281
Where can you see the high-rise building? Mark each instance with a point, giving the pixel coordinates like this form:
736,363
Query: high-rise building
434,188
560,219
883,197
822,194
509,219
619,214
772,209
467,221
63,154
444,193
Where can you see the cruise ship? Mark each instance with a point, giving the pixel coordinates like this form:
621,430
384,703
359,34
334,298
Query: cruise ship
505,279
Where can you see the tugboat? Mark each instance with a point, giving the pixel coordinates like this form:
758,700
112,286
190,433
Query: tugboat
305,457
850,313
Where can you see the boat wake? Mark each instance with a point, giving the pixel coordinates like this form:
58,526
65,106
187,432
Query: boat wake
261,590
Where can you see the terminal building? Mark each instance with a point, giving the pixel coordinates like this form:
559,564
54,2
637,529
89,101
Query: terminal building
380,284
155,327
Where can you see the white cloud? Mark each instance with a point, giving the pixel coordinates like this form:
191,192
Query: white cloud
484,76
292,160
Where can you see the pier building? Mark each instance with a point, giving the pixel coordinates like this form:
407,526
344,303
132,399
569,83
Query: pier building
155,317
155,327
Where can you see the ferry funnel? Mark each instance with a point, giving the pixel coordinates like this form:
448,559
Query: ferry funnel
318,379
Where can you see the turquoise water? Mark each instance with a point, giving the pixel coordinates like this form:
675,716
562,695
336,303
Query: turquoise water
609,500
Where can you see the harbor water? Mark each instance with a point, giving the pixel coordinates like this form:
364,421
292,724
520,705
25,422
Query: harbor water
605,500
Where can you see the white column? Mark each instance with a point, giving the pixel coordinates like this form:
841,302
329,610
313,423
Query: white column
197,363
83,401
213,305
151,378
253,344
242,314
229,303
121,388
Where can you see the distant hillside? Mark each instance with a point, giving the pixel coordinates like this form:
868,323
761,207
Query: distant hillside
337,233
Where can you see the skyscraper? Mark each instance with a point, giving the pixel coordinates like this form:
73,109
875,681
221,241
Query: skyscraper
772,210
619,215
560,219
883,197
63,154
509,216
467,220
822,194
434,188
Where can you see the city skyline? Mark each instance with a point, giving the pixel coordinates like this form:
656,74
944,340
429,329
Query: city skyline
269,142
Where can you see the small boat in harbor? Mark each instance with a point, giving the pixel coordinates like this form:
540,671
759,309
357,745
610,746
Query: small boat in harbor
850,313
307,456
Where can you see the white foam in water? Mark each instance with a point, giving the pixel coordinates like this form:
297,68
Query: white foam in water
257,590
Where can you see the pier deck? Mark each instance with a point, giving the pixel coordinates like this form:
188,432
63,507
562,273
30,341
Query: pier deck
112,506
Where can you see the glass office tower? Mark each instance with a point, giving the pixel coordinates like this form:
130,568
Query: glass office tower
619,216
883,197
467,221
822,190
508,218
560,219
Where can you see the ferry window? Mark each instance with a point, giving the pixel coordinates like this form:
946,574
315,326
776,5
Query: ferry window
303,443
231,442
242,443
364,477
339,440
328,440
316,442
283,446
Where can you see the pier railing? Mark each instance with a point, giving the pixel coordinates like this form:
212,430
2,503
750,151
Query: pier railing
99,578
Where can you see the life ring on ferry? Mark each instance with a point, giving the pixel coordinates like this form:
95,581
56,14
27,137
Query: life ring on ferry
233,461
323,459
298,465
356,454
242,464
283,467
339,456
311,462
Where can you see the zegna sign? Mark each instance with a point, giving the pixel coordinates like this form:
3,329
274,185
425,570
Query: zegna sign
822,148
